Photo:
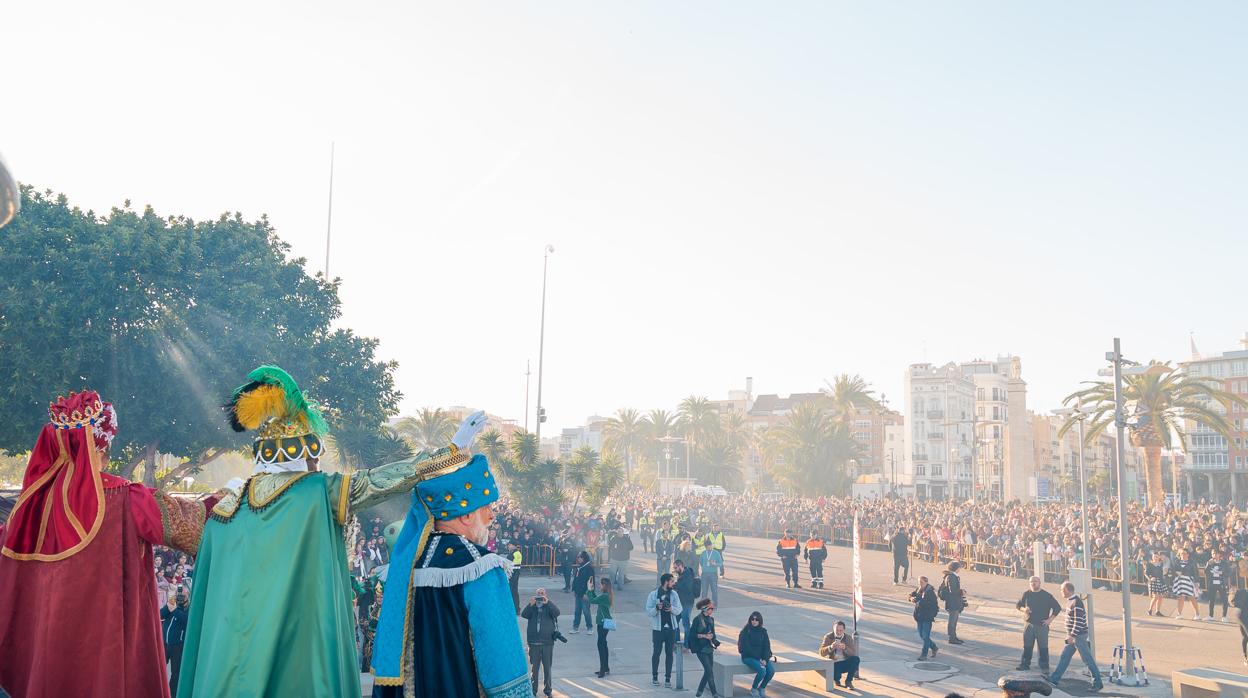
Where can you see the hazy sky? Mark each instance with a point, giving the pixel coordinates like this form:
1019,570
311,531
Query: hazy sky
780,190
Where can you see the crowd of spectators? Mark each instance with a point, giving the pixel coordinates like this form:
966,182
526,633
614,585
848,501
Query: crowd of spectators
991,537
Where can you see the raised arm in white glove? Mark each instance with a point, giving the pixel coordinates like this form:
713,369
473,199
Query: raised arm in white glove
469,429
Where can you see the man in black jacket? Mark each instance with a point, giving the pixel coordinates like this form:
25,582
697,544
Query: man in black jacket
173,629
951,593
1039,609
619,550
926,608
900,544
542,616
687,586
663,550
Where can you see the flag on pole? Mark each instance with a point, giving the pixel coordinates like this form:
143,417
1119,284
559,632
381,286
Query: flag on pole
857,573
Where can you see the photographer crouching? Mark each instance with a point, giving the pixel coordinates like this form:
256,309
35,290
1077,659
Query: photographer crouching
173,630
543,630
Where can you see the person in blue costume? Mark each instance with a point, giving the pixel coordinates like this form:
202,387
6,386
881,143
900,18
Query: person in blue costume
447,626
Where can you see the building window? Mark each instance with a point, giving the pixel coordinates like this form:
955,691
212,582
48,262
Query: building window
1239,368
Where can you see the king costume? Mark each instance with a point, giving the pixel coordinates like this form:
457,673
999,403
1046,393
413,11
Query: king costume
448,627
270,611
78,609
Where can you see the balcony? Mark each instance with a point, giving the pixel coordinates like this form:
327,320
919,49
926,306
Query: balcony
935,414
919,457
936,435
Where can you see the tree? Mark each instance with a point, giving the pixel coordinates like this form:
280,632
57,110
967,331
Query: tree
524,449
816,449
659,424
492,445
608,476
698,421
721,464
537,484
361,449
164,317
429,430
1163,397
849,394
579,471
625,435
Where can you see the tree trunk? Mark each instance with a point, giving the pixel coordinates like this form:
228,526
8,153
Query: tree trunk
127,470
190,467
149,463
1156,486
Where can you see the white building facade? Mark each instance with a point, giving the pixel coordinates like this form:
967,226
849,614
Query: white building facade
940,404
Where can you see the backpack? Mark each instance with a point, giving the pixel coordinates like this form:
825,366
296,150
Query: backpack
942,592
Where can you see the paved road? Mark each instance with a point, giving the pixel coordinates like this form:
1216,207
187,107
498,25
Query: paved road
797,620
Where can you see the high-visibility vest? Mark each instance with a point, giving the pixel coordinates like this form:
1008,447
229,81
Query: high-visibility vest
788,543
699,544
717,540
516,557
814,544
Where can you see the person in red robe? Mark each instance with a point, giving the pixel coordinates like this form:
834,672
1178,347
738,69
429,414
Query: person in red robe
79,614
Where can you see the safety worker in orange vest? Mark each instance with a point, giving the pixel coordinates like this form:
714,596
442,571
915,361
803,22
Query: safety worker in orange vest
816,552
788,549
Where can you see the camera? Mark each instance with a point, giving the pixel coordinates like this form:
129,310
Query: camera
558,636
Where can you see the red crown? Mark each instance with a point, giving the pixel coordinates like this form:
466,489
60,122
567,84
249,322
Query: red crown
80,409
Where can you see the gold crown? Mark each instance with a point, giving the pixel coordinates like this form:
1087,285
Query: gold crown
76,411
284,428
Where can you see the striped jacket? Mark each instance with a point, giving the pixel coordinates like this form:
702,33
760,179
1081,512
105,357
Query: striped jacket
1076,616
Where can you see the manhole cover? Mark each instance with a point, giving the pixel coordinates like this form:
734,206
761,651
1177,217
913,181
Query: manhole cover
932,666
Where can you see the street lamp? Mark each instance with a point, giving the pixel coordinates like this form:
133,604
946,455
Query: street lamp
1079,414
541,348
1124,541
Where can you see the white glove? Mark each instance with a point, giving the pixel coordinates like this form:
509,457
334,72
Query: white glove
469,429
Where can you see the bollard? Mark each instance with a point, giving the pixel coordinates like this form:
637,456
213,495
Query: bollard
1137,658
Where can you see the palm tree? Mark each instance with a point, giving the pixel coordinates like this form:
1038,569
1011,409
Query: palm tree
849,394
697,421
607,478
524,449
1163,399
494,447
659,425
722,463
430,429
579,472
817,449
624,434
537,485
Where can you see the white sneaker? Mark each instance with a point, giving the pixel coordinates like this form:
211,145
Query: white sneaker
1224,619
1177,614
575,631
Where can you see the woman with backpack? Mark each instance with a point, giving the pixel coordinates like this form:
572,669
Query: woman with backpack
603,600
702,643
754,646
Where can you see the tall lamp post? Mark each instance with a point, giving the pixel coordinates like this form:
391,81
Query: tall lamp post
1077,413
541,349
1124,540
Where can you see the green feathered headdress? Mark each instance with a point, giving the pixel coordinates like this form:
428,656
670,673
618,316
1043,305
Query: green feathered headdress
272,402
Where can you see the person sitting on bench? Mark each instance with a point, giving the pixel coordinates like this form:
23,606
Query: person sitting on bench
843,651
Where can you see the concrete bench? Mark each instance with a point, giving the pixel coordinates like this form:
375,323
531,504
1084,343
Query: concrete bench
1205,682
729,665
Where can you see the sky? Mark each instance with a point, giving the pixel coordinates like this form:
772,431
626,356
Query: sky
786,191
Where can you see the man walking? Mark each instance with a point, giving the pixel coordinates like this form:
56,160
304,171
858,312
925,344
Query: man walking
543,616
619,550
815,553
787,550
715,540
926,608
687,590
1076,639
951,593
900,545
712,570
664,608
1039,609
663,551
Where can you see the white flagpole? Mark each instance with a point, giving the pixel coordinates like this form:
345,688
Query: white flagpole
857,575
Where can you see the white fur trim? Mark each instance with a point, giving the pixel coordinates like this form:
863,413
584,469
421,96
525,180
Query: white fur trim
436,577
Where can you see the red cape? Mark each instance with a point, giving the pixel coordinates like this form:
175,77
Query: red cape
88,625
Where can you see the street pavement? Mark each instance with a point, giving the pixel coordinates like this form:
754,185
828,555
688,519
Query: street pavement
798,618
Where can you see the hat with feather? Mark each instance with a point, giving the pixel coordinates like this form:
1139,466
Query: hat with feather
289,426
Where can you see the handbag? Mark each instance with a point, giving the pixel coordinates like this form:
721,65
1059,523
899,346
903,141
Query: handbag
608,624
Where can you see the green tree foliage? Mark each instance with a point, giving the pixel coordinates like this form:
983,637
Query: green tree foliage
813,450
1163,399
536,485
430,429
850,393
608,476
625,435
164,316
